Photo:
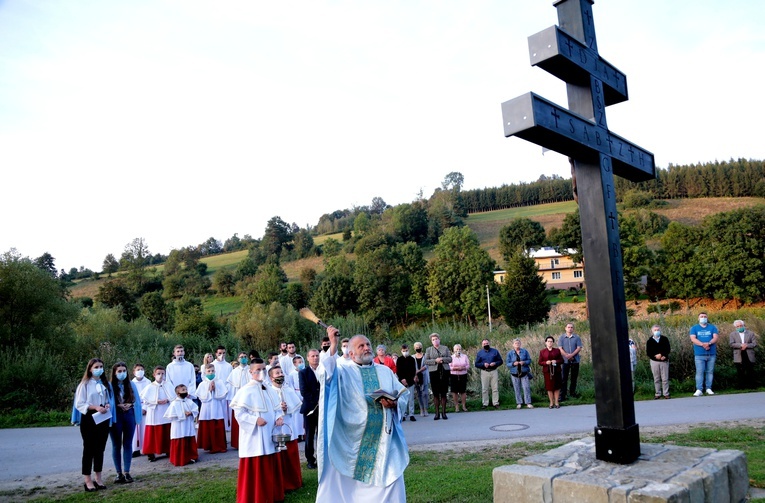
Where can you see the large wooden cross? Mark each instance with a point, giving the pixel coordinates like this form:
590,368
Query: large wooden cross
570,52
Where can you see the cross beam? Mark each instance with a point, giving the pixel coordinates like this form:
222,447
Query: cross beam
581,132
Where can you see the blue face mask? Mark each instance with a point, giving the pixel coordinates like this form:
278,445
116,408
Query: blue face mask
301,366
243,361
657,334
210,376
97,372
121,375
703,321
741,329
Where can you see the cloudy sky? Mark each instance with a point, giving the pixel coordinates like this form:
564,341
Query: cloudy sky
180,120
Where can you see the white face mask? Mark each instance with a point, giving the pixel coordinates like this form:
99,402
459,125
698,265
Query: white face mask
405,353
221,357
139,374
346,351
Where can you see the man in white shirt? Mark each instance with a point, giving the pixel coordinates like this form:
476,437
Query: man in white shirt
179,371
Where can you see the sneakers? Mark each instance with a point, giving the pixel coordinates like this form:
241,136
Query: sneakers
518,406
656,397
412,418
710,392
529,406
698,393
120,479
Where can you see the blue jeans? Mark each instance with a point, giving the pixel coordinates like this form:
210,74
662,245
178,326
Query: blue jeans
121,434
705,369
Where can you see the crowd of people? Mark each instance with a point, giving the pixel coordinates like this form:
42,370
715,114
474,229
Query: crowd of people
347,404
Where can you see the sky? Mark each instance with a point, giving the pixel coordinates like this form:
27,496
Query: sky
177,121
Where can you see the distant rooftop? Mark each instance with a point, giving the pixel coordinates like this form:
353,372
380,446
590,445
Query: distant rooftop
549,252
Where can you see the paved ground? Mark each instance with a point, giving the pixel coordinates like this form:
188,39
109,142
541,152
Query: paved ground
44,456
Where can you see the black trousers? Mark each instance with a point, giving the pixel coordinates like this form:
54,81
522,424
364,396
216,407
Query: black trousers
745,372
93,443
311,428
573,370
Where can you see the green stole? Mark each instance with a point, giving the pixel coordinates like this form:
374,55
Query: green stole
370,440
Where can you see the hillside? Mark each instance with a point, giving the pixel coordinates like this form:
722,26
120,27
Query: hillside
486,226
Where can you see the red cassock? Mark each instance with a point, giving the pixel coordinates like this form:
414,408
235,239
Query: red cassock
183,450
156,439
260,480
234,431
290,461
211,435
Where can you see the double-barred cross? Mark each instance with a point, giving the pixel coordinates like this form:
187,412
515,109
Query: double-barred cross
569,51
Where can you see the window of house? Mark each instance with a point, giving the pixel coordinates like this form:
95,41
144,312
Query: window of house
578,274
556,275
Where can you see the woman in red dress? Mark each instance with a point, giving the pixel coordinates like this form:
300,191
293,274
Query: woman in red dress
551,360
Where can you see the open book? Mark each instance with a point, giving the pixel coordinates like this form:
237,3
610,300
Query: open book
381,393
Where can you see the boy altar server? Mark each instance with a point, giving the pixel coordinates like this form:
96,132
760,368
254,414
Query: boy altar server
290,406
183,444
212,392
256,408
239,377
156,399
141,383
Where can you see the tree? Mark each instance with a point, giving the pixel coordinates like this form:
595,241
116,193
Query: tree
47,263
32,305
382,284
224,282
110,265
303,242
677,269
191,319
520,233
117,294
459,273
442,214
522,297
278,234
568,236
334,294
452,181
267,285
331,247
263,326
361,224
158,311
407,222
378,206
636,257
210,247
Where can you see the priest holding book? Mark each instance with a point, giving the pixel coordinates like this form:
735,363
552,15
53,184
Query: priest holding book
362,451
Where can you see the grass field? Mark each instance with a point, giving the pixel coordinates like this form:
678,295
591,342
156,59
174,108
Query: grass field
445,475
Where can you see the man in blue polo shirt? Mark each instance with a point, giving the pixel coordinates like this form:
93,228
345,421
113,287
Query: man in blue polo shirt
704,338
489,361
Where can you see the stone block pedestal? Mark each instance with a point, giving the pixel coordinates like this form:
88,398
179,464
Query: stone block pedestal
662,473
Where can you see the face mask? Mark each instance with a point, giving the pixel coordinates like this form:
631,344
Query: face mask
457,353
346,350
418,350
243,361
159,378
259,375
179,358
741,329
221,357
405,353
703,321
210,376
325,348
121,375
97,372
301,366
139,374
279,380
183,395
486,347
657,334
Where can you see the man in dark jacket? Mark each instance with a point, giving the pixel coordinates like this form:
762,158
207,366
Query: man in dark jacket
405,370
309,388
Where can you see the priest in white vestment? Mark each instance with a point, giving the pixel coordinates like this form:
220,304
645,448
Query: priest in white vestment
362,452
